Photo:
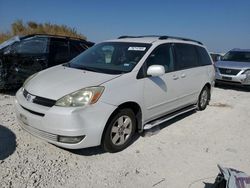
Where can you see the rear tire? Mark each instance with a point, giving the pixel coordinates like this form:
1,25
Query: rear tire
204,98
120,131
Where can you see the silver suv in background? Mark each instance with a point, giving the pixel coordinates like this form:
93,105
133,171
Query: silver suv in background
115,89
234,68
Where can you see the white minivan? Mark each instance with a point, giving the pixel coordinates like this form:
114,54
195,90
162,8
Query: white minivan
115,89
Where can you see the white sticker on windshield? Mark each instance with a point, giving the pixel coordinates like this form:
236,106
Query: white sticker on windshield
137,48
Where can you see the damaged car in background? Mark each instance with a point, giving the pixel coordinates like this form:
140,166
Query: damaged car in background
23,56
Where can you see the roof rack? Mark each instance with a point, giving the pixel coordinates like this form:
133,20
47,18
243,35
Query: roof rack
59,36
143,36
162,37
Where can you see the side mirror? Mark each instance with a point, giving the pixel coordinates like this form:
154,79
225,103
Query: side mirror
156,70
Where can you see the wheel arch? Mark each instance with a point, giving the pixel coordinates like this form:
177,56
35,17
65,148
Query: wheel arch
135,107
209,87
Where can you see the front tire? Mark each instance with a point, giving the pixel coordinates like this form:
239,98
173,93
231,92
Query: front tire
204,98
120,131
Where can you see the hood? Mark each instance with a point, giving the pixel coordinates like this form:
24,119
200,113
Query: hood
59,81
233,64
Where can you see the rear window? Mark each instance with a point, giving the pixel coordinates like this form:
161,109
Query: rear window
186,56
204,57
76,48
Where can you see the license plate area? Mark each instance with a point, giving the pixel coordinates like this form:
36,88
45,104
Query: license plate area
226,78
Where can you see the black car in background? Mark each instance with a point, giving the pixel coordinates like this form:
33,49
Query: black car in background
21,57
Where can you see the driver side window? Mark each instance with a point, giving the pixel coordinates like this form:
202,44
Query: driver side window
34,45
162,55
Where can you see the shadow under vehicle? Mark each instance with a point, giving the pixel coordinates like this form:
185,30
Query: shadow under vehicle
7,142
23,56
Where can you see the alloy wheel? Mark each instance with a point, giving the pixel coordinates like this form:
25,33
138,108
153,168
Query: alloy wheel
121,130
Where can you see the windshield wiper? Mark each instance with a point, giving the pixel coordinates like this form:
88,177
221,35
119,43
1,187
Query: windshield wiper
93,69
87,68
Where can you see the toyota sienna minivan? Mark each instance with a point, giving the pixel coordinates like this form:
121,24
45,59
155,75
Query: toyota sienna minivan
115,89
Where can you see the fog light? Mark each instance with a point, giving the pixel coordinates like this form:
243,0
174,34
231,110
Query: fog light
70,139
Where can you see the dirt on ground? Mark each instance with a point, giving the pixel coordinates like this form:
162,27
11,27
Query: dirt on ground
182,153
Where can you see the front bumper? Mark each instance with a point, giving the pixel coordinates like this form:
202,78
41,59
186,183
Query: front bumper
48,123
239,79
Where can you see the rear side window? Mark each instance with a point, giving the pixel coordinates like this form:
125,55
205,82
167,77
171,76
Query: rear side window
76,48
204,57
59,50
186,56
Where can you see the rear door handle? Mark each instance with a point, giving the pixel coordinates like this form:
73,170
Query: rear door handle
183,75
175,77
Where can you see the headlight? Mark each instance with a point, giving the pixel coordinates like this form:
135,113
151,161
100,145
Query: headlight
247,72
29,78
81,97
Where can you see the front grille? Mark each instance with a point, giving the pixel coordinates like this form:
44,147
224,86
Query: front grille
40,100
40,133
229,71
44,102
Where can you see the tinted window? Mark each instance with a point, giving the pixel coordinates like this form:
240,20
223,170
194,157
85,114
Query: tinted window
85,46
34,45
204,57
111,57
186,56
59,50
76,48
162,55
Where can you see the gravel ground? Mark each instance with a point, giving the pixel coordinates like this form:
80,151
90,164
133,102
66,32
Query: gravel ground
181,153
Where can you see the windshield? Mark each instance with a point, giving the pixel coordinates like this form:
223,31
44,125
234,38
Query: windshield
33,45
110,57
237,56
9,42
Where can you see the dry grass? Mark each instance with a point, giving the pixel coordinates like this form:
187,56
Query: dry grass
20,28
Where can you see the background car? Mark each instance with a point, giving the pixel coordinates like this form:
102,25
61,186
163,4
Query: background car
21,57
216,56
234,68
